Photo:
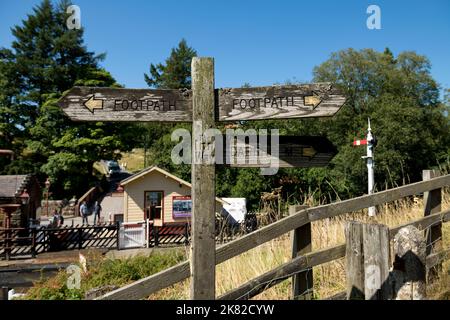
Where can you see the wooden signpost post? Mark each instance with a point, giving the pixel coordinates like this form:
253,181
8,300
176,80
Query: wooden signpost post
203,105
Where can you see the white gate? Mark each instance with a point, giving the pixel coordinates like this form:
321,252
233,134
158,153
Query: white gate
132,235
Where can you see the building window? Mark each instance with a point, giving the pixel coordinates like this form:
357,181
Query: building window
153,205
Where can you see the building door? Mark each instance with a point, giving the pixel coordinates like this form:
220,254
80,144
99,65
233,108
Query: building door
154,208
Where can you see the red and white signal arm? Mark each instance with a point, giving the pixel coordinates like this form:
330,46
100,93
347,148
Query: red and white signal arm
359,142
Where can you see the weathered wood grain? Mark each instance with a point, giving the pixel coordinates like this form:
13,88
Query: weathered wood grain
376,261
432,200
203,244
279,102
293,151
281,273
301,239
135,105
354,260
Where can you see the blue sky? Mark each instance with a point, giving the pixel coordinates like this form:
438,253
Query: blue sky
259,42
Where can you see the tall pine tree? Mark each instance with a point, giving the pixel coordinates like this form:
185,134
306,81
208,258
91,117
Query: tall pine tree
47,59
176,72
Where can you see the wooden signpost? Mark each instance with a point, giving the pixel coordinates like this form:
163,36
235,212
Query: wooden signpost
293,152
203,105
141,105
116,104
279,102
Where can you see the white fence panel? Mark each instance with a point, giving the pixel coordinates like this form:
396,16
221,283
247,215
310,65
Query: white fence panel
132,235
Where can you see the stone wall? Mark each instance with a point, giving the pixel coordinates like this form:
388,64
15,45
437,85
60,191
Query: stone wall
64,206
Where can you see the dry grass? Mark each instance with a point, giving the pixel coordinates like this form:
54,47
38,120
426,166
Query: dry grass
328,278
134,160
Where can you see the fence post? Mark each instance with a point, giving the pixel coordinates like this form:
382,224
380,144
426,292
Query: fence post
302,283
33,242
376,248
432,204
80,238
354,260
186,234
8,235
4,293
118,235
409,272
155,235
147,233
367,261
203,244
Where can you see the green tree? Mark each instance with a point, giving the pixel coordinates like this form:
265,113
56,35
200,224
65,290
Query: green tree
402,100
176,72
47,59
10,117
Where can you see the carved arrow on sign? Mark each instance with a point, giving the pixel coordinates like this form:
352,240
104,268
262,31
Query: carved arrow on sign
93,103
312,101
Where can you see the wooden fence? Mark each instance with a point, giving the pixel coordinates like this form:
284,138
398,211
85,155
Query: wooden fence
180,234
31,241
173,234
299,220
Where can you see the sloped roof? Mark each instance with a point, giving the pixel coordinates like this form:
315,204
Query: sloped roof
162,171
12,186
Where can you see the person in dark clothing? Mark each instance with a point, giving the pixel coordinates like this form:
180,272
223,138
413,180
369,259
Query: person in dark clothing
55,220
58,219
97,212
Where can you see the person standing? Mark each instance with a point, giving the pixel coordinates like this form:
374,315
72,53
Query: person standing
84,212
97,211
55,220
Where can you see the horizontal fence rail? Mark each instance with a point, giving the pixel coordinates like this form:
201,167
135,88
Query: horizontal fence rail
281,273
166,278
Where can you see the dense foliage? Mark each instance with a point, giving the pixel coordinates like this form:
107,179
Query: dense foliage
45,60
104,272
398,93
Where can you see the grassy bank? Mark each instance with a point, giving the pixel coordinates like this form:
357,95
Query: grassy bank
103,272
133,160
